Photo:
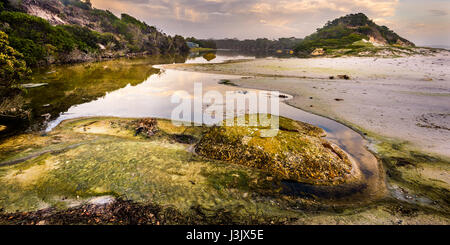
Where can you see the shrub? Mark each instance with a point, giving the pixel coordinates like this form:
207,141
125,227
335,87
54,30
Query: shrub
13,68
33,36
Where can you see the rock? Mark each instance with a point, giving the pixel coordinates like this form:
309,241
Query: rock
296,153
226,82
345,77
337,99
318,51
147,126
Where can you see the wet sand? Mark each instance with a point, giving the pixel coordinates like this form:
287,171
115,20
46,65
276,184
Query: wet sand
405,99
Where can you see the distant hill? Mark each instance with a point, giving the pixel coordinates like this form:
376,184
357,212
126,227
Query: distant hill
352,33
66,31
261,45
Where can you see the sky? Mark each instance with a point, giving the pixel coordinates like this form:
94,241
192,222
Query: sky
424,22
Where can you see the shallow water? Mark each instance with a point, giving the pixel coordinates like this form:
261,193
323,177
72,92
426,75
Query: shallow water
137,88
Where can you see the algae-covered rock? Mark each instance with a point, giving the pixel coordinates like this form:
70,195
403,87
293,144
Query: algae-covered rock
298,152
209,56
87,158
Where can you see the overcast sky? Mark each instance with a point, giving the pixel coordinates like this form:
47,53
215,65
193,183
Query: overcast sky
424,22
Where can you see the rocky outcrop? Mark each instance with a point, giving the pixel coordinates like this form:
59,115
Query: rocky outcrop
48,10
297,153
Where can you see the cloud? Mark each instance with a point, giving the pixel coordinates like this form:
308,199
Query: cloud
381,8
267,18
438,12
200,10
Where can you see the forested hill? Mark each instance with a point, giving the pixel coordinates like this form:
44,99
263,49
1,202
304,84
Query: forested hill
258,45
66,31
354,33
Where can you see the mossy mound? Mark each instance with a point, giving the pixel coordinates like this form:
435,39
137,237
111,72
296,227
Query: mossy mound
298,152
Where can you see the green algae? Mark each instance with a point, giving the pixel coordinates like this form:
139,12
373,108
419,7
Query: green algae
156,170
406,166
296,153
162,172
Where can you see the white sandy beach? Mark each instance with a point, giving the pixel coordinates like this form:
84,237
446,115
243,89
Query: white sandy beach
406,98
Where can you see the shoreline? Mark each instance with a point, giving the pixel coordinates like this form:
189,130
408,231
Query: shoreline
414,174
397,208
303,87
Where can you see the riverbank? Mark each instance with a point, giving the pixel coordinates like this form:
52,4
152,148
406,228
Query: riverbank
399,104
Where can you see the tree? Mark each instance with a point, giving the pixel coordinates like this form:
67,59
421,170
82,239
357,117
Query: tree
13,68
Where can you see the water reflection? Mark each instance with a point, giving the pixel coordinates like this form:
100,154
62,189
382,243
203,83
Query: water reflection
217,56
152,98
71,85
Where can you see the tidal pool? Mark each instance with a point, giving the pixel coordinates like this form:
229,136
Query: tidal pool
136,88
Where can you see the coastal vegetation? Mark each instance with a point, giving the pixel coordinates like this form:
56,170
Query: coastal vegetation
13,68
37,40
347,34
13,71
63,38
